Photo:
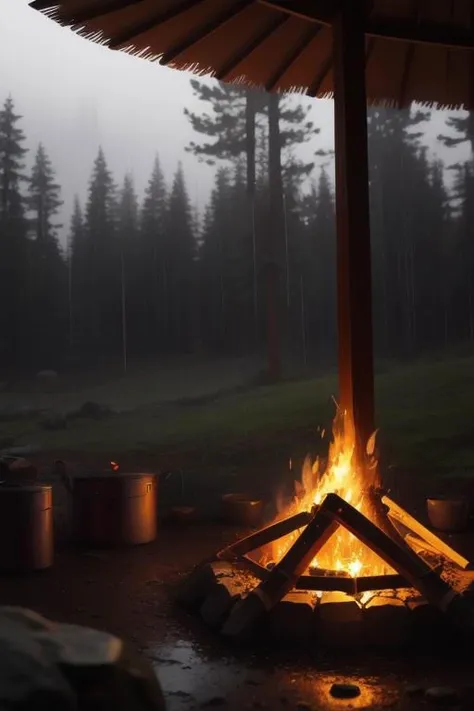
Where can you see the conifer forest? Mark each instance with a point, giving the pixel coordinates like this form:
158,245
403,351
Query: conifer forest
145,276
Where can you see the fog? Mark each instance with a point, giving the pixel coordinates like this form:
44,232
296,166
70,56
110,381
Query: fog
75,95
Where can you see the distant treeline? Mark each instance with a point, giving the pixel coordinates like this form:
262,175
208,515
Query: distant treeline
144,278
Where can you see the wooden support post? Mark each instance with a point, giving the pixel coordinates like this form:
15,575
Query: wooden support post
354,281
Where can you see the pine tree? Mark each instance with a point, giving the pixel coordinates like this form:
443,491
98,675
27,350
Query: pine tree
43,200
235,123
179,263
15,345
102,300
393,159
47,270
130,278
213,263
318,271
153,271
77,277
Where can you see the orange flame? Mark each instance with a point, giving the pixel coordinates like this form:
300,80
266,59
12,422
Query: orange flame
344,476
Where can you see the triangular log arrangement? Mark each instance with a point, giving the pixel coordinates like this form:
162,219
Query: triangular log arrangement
239,596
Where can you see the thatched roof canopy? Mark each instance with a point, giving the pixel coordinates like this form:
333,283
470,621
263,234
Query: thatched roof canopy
417,50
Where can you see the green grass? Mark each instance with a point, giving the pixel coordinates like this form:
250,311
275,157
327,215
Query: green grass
425,412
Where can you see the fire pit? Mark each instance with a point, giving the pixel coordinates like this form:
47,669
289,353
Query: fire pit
343,557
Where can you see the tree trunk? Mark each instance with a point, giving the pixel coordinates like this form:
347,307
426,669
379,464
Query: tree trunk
250,114
274,238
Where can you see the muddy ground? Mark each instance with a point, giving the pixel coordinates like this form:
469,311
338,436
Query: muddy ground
129,592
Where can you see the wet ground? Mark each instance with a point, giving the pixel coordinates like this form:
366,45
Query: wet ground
127,592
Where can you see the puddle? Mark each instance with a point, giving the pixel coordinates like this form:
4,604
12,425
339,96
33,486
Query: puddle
191,679
194,679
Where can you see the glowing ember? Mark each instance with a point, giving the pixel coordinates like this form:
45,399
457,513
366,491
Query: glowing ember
344,476
114,466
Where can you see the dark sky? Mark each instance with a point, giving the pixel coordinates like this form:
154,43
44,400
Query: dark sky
75,95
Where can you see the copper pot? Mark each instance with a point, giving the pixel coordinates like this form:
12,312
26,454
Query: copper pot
448,514
242,510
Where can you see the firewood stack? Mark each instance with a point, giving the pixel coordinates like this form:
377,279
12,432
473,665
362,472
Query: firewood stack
239,596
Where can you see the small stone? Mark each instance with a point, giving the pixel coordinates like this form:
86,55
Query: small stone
442,695
345,691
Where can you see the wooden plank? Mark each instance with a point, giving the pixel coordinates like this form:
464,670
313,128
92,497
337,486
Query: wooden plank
266,535
282,578
404,560
354,281
351,586
403,517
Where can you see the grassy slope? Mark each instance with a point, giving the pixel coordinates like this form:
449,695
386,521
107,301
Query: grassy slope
425,414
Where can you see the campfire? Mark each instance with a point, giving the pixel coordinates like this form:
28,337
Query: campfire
341,537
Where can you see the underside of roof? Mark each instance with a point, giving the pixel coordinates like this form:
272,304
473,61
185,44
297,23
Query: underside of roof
416,50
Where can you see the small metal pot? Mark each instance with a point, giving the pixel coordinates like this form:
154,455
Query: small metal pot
448,514
242,510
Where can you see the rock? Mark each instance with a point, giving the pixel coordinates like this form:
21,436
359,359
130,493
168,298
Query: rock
344,691
386,622
224,594
194,588
27,676
442,695
244,617
45,665
339,620
293,620
27,618
428,624
80,647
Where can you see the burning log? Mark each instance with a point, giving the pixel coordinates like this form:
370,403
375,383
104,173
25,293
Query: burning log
399,514
408,564
265,535
351,586
284,575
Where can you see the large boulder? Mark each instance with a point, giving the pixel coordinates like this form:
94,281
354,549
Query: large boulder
57,667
